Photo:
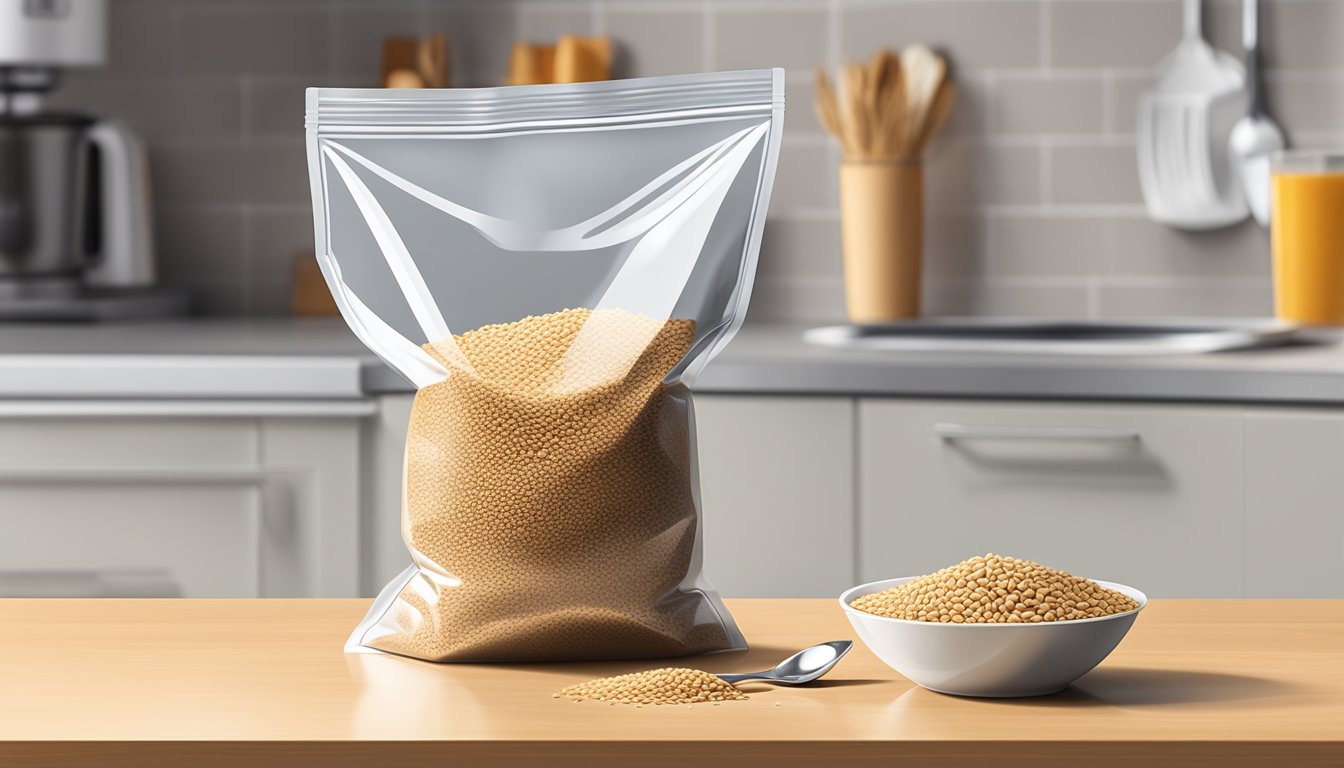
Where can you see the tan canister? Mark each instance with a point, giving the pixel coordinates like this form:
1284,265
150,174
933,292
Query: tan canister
882,233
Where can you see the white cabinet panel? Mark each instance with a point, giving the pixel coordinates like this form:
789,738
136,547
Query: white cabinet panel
172,505
126,442
1294,503
1147,495
310,542
777,484
385,445
130,539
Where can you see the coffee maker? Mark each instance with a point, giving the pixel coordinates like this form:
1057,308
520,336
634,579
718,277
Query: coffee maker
76,235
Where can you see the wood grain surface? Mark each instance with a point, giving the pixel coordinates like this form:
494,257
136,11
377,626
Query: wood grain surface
265,682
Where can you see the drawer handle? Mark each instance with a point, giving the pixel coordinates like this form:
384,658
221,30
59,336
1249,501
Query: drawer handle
950,432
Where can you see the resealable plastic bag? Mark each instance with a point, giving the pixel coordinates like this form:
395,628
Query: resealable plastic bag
551,267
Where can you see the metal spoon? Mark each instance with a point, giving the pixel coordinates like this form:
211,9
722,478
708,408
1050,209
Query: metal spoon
1255,136
802,667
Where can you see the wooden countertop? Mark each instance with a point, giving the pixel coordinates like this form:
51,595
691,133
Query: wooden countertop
220,682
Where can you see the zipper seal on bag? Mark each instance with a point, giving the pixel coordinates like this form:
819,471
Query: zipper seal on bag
469,110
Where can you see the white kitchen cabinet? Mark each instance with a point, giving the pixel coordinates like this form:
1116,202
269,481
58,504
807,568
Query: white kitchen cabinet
1294,502
777,485
222,503
1147,495
385,553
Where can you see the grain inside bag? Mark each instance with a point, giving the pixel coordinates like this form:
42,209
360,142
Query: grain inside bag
551,267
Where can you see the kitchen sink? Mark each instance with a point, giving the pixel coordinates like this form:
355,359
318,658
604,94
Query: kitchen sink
1048,337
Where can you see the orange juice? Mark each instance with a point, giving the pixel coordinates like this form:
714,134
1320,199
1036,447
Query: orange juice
1307,230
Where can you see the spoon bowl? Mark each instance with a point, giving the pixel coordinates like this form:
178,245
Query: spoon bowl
802,667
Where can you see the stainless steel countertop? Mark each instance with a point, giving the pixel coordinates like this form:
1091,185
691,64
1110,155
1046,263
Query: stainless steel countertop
320,359
774,360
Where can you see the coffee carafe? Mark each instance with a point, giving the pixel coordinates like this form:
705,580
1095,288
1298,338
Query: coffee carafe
74,206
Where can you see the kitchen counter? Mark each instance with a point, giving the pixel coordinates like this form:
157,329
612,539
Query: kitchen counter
772,359
264,682
320,359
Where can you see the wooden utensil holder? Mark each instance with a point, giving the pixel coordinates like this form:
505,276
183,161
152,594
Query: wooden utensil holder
882,233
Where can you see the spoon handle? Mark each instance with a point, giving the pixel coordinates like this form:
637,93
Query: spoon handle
743,677
1250,31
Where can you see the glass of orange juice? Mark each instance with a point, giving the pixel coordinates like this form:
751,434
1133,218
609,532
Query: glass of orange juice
1307,230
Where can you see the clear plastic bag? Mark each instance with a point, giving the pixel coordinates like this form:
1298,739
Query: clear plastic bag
551,267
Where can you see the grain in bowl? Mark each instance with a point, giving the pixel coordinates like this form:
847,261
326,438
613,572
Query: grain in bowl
990,589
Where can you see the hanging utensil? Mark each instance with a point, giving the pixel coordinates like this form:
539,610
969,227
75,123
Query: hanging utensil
1185,166
1256,136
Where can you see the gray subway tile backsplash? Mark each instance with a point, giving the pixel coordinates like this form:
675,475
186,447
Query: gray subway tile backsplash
1311,103
761,37
1200,297
480,34
1046,246
270,105
810,300
1044,105
1303,34
978,34
1122,101
274,236
657,41
800,119
1032,197
1112,33
357,32
543,21
162,110
1094,174
1010,298
806,246
1142,248
806,178
254,39
1000,174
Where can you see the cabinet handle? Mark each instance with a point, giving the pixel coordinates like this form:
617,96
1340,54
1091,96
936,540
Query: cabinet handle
951,432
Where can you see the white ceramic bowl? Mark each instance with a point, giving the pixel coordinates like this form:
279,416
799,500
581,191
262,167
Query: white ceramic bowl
997,660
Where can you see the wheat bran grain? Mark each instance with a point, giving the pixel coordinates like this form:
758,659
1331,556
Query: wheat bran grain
994,589
548,499
669,685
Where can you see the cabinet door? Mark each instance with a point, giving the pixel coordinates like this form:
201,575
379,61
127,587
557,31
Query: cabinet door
310,543
167,506
1294,502
777,485
385,441
118,507
1143,495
